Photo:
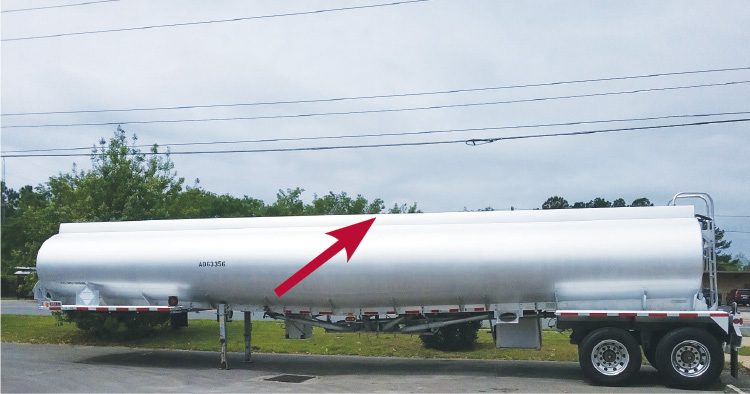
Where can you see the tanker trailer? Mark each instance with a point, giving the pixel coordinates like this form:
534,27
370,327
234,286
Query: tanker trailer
621,279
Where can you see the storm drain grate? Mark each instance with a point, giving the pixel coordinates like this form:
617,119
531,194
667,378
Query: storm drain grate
290,378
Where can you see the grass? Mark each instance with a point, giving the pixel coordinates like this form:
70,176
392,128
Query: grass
268,337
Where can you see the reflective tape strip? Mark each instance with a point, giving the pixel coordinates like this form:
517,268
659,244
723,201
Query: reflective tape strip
692,314
325,313
370,313
412,312
114,308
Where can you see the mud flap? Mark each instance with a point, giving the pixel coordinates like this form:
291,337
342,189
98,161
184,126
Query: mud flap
733,352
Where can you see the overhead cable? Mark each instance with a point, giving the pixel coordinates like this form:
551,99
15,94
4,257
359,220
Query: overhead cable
393,134
423,143
246,18
180,107
59,6
386,110
482,141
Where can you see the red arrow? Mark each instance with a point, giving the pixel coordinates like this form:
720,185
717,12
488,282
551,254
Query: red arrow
349,238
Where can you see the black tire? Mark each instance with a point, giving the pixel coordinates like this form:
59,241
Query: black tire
453,338
609,356
690,357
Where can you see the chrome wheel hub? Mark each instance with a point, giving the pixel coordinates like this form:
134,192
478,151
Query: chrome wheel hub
610,357
690,358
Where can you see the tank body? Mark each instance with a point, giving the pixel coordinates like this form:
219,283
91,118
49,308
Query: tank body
626,258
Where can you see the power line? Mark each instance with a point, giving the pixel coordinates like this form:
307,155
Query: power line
423,143
738,232
733,216
398,133
381,96
483,141
59,6
214,21
386,110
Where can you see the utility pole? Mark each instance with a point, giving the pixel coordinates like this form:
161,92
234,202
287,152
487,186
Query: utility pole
4,203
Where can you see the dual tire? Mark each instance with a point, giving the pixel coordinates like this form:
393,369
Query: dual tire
609,356
686,357
689,357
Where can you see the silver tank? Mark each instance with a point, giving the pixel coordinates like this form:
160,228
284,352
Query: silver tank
616,258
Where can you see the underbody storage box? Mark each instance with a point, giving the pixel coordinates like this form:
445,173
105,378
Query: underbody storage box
526,334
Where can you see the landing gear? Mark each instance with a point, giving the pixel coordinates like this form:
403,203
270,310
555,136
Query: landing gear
609,356
248,336
224,316
222,313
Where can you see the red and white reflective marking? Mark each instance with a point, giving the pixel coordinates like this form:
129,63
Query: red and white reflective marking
114,308
53,305
683,314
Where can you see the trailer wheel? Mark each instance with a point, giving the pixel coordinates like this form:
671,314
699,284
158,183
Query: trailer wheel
690,357
609,356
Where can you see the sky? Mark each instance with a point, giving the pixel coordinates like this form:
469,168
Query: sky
295,54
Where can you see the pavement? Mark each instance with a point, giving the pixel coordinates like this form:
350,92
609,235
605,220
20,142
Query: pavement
109,369
63,368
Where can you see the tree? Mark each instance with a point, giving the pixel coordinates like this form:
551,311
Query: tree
342,204
123,184
555,202
641,202
724,261
619,203
600,203
404,208
287,203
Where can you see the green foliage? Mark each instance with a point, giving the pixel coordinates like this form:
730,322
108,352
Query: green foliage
555,202
453,338
600,203
724,261
115,325
641,202
404,208
268,337
342,204
125,183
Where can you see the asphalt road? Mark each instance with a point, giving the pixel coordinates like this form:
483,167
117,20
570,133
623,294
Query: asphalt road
61,368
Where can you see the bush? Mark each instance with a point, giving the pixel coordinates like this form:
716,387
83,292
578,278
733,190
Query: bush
116,325
8,285
454,337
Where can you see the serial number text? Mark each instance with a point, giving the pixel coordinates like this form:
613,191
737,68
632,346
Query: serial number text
212,264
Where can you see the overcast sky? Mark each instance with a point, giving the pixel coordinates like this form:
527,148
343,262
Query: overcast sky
429,46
